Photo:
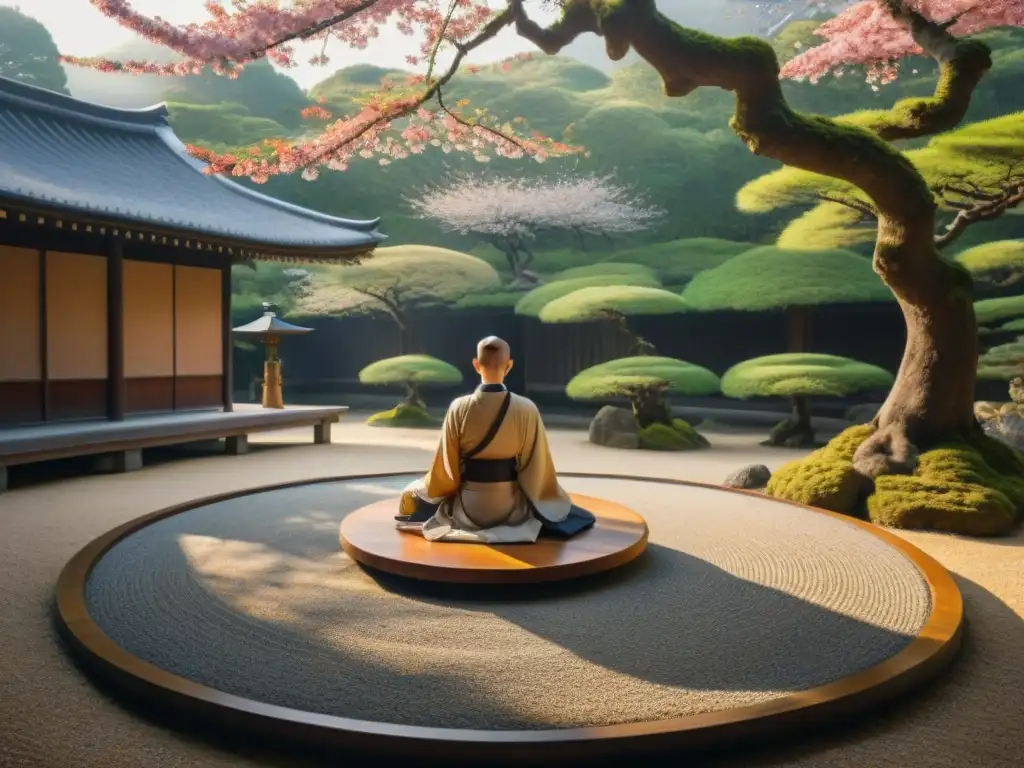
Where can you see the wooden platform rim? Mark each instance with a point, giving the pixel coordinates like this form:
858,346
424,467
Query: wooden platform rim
929,653
90,437
454,574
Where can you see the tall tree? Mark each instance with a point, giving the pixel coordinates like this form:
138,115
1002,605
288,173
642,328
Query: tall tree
28,53
931,402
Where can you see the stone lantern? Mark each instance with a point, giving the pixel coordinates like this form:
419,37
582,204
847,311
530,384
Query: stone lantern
268,330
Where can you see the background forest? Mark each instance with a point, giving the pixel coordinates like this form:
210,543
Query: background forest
677,154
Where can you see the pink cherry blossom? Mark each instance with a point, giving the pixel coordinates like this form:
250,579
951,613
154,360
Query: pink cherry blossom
866,34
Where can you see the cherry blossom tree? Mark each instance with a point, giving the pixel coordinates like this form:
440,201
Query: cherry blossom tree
509,213
884,466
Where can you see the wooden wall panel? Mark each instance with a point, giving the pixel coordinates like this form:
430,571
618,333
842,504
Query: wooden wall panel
20,358
76,316
148,319
198,322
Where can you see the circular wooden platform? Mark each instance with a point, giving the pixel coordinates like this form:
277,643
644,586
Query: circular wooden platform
619,535
760,619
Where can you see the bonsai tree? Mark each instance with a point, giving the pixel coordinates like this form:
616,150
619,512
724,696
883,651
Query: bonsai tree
413,372
923,461
800,377
532,303
647,383
614,304
794,281
395,280
1000,263
511,213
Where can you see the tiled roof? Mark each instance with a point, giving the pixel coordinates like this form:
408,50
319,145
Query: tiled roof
127,166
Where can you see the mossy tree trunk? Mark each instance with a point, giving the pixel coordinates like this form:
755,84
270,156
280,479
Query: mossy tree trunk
932,399
650,406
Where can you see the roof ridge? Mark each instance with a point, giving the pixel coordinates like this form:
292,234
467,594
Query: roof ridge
33,96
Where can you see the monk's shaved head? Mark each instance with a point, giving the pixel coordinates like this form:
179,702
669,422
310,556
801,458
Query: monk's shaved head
493,353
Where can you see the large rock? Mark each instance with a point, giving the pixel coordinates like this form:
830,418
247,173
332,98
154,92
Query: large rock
863,413
615,427
1007,428
751,477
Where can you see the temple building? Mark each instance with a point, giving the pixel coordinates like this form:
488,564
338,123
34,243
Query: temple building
115,258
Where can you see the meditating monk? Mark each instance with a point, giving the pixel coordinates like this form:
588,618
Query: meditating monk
492,480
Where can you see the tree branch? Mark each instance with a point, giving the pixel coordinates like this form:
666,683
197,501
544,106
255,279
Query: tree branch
320,26
490,29
962,64
983,211
687,59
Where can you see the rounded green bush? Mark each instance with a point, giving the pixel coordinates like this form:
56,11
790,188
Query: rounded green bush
988,258
802,374
588,304
534,302
768,278
616,377
421,370
988,311
1003,362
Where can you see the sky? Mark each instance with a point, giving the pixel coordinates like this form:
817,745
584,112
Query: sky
81,30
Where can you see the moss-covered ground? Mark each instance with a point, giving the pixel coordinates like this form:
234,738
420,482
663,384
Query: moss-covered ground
403,415
974,488
678,437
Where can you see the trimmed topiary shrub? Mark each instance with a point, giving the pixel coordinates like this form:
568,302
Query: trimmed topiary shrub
596,303
997,263
795,281
800,376
647,382
534,302
413,372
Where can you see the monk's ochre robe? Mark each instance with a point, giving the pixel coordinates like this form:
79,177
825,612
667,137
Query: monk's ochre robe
507,511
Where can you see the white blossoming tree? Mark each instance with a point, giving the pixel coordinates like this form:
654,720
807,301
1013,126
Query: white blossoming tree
510,213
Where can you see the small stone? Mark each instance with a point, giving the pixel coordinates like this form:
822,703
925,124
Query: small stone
751,477
615,427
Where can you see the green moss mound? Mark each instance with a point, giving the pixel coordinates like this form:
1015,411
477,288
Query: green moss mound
988,311
1002,362
774,278
984,259
975,489
680,436
616,377
588,304
403,415
807,374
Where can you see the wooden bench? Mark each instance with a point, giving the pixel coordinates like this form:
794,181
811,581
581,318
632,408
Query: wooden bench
120,443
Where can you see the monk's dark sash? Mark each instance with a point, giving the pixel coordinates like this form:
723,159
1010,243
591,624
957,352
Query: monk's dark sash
489,470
